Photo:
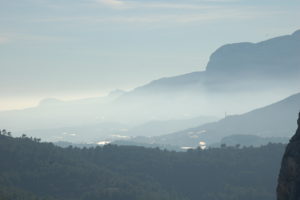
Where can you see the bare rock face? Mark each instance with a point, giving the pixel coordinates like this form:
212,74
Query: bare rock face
289,178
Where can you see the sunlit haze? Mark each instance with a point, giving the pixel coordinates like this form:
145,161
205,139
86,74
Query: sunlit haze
77,49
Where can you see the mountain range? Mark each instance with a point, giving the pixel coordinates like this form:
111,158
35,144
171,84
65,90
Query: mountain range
238,78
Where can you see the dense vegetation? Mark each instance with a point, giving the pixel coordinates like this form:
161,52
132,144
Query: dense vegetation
30,169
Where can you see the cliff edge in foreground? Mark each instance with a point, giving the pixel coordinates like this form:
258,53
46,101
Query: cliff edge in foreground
289,178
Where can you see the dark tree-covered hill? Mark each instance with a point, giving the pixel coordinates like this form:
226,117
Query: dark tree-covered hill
30,169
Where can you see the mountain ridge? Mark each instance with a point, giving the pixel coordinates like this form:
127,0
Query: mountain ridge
274,120
233,48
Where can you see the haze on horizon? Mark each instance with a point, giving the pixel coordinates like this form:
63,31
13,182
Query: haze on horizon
77,49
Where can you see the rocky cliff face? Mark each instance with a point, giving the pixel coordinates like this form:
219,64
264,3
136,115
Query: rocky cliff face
289,178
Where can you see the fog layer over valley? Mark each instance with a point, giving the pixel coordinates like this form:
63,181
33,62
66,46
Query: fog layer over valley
238,78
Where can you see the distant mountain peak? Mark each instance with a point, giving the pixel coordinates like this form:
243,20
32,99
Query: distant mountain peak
296,33
237,66
271,58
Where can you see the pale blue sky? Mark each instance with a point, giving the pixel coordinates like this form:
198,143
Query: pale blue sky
79,48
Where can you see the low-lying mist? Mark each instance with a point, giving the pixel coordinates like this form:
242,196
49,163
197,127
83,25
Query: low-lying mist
133,114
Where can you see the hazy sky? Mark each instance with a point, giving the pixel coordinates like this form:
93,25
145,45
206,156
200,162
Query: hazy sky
80,48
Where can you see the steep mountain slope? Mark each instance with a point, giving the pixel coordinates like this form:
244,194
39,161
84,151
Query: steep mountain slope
275,120
289,176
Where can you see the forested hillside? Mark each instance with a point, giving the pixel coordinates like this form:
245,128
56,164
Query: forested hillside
30,169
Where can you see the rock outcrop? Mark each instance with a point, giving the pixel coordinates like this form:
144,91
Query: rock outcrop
289,178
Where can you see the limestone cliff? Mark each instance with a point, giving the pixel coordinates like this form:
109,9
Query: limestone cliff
289,178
